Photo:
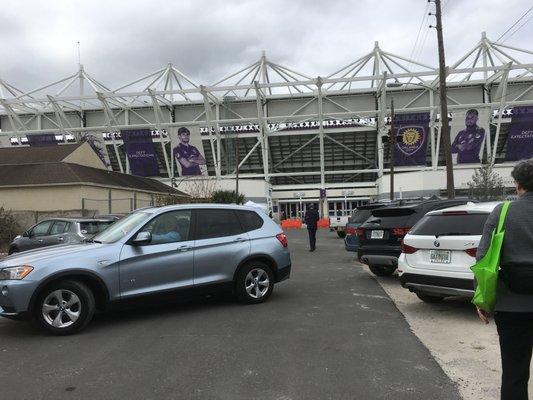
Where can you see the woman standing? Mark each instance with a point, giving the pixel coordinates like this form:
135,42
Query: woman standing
513,312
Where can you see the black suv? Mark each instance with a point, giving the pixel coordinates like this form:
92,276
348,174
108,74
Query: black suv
380,237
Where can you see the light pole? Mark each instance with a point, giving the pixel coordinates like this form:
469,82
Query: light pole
392,148
300,195
346,193
227,100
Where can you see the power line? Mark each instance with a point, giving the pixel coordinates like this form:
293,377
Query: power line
424,17
516,22
517,29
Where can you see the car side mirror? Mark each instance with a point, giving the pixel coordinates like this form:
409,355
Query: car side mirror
142,238
26,234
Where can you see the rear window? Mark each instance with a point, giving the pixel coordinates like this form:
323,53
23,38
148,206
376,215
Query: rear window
249,220
94,227
452,225
360,216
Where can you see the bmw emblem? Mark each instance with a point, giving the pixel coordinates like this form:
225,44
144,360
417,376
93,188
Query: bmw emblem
436,243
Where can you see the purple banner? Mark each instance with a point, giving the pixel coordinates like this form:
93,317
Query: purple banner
520,138
45,139
140,152
411,133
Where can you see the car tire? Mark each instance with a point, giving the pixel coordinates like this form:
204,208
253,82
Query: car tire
250,283
65,307
341,234
429,298
382,270
12,250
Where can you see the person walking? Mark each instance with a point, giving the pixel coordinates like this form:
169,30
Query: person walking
513,312
311,220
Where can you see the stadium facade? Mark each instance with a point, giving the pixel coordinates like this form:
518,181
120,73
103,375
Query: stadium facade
296,139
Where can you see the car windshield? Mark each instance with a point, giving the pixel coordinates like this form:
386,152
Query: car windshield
360,216
121,228
89,228
450,225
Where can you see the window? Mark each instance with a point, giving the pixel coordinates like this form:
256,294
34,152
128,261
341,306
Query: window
122,227
212,223
59,227
170,227
360,216
94,227
249,220
467,224
41,229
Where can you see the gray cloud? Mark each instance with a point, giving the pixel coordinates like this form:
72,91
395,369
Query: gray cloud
207,40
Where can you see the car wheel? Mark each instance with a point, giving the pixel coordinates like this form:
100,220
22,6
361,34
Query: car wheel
428,298
341,234
65,307
382,270
13,250
254,283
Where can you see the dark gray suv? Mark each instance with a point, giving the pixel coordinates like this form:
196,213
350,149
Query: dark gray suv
150,251
50,232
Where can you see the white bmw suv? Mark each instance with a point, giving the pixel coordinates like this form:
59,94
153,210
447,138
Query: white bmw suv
440,249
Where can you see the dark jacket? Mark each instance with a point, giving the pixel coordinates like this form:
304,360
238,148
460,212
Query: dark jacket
311,219
517,249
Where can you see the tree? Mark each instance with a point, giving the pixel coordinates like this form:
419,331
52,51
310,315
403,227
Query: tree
226,197
486,185
9,227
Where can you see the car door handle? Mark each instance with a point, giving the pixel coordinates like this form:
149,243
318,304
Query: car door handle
40,240
184,248
60,239
240,239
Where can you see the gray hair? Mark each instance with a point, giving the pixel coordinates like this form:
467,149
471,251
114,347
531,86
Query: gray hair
523,174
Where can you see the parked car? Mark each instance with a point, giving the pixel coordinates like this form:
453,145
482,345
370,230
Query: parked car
55,231
151,251
358,217
440,249
380,237
337,223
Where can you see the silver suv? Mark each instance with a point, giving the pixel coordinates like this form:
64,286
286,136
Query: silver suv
155,250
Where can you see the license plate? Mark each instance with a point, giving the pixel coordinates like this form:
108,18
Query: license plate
440,256
378,234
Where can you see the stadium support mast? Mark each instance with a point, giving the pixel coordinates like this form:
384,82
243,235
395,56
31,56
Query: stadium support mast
445,127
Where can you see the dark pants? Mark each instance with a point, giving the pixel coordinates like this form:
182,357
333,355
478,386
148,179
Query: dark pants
312,238
516,339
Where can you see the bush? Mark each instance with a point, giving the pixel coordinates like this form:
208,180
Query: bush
226,197
9,228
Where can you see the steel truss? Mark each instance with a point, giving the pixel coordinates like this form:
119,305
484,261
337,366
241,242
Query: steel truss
281,114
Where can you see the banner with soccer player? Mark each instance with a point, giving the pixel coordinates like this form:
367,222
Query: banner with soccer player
411,132
467,134
140,152
96,141
187,151
520,138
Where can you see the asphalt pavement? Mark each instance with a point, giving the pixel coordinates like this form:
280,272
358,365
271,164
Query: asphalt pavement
330,332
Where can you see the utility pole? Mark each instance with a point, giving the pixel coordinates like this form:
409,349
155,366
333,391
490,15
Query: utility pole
236,146
392,146
445,127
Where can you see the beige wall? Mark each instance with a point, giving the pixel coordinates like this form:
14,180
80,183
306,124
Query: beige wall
85,155
69,197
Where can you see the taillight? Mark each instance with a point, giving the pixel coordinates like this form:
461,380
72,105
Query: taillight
408,249
351,231
282,239
360,232
400,231
471,252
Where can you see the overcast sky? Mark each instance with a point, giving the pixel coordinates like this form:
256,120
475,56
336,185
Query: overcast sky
209,39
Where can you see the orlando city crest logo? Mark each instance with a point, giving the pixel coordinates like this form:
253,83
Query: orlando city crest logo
410,139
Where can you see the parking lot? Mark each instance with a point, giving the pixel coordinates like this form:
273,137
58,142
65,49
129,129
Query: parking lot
330,332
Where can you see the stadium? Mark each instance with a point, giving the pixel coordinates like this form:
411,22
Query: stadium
291,139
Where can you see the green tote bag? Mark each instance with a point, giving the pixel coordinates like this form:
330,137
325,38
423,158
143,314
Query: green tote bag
486,269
